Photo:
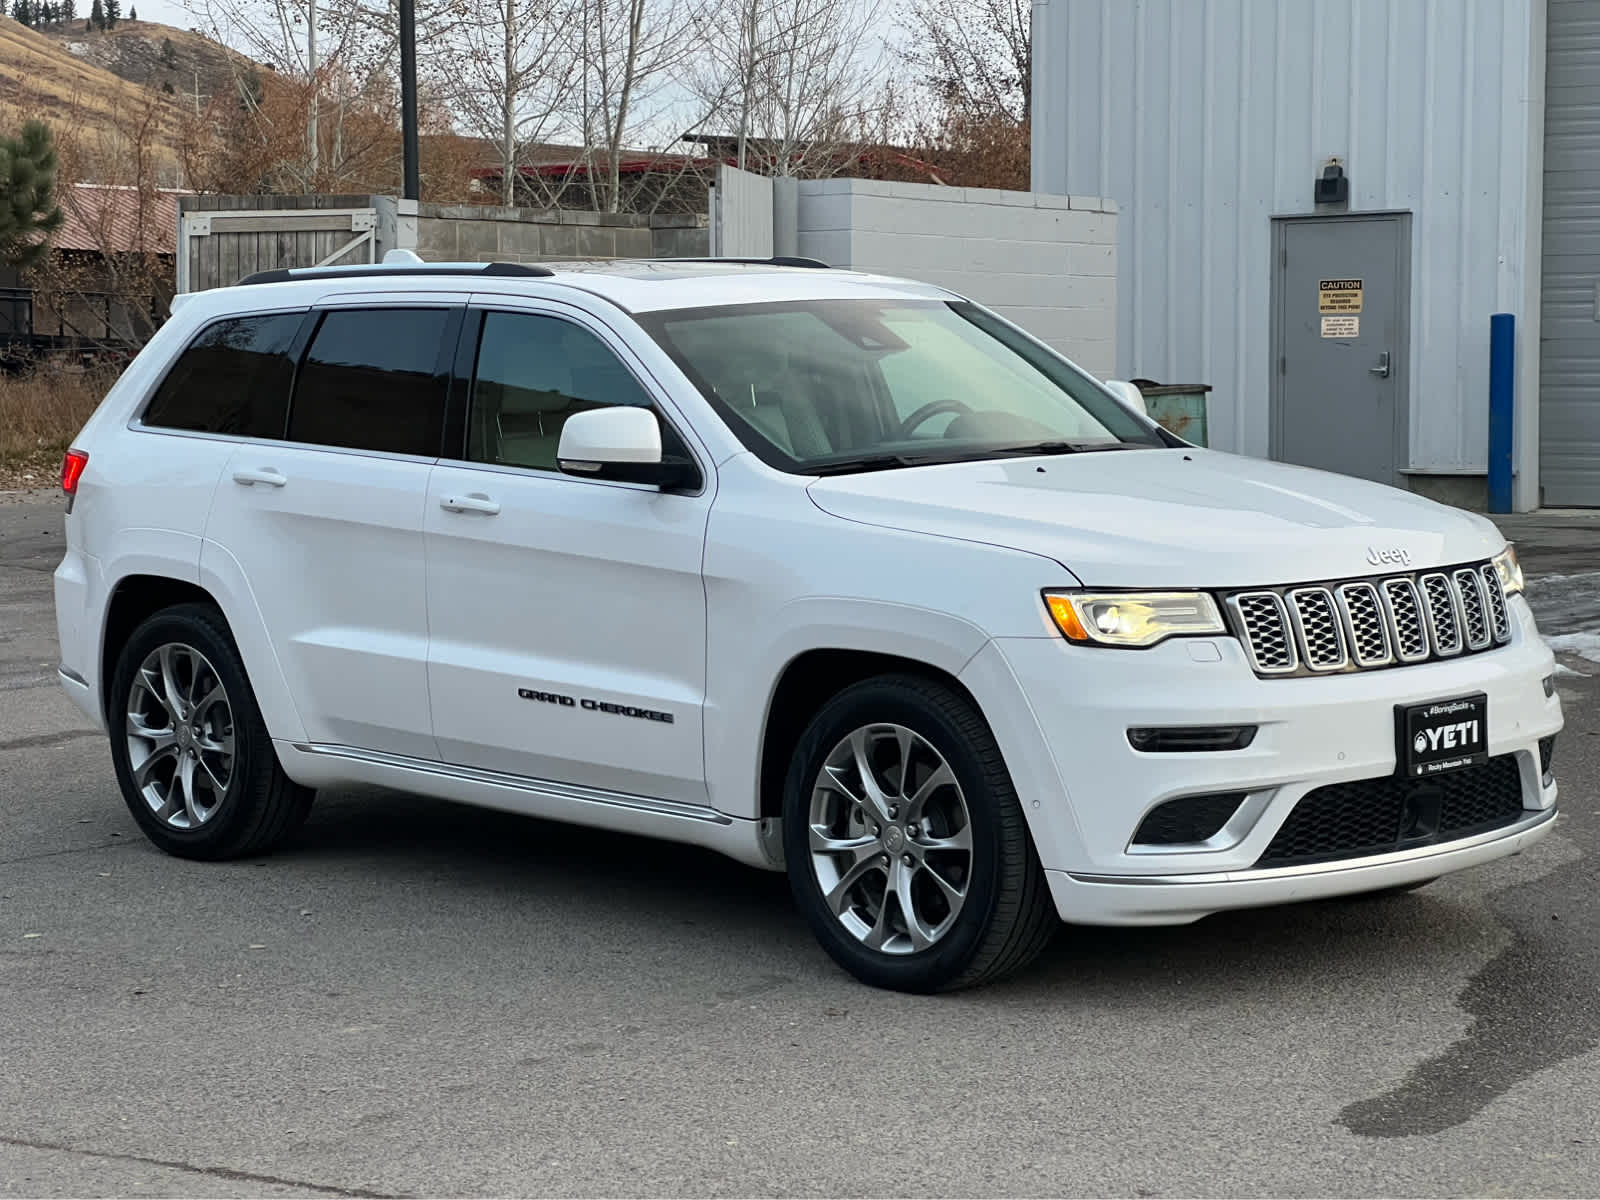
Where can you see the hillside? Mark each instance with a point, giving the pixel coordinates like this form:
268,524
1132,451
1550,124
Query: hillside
41,77
149,54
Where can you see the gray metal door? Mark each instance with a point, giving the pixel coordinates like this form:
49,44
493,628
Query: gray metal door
1569,365
1340,302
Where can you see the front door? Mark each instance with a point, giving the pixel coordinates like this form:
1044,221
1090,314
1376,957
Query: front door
1339,333
567,616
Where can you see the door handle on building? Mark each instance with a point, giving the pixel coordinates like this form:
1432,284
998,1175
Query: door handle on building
1382,369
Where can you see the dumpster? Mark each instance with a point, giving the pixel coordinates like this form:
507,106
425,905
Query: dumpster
1179,408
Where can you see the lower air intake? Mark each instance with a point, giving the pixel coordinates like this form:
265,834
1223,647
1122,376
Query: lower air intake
1377,816
1187,819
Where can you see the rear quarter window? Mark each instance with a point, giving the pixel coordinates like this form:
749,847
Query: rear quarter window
233,379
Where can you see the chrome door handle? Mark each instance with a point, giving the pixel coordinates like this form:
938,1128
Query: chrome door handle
1382,369
472,502
250,477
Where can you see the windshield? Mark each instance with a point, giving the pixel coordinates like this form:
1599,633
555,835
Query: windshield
844,385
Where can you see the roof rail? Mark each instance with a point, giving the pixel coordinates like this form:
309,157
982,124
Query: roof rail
777,260
383,271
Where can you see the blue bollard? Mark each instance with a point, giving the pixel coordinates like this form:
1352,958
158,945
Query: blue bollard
1502,402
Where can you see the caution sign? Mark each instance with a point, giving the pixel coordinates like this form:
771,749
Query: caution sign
1338,296
1341,327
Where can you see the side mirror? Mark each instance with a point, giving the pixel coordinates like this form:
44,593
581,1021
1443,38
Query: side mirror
1130,396
621,443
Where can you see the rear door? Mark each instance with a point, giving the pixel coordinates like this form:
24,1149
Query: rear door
567,615
325,525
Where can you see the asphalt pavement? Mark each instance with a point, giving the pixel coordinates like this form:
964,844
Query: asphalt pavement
423,999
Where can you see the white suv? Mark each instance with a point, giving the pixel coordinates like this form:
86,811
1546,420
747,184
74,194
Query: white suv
816,569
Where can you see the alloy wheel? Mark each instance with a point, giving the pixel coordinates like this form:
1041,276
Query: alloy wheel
180,736
890,839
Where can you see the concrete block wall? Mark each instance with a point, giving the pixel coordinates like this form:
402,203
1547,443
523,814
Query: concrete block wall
1049,263
477,233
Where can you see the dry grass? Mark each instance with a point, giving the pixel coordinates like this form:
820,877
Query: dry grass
40,413
42,79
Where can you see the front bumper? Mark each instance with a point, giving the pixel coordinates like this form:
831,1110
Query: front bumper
1180,899
1312,732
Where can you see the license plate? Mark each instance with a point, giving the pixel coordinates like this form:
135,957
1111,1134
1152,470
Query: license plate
1442,735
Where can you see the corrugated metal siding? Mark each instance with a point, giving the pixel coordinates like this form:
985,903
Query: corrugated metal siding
1205,118
1569,372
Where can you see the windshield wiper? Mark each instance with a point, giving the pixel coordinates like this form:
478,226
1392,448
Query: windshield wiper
870,462
886,462
1056,448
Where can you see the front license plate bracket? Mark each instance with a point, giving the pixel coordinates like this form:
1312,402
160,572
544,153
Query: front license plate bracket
1441,735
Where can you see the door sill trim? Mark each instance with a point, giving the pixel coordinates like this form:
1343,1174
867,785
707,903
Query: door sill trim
522,783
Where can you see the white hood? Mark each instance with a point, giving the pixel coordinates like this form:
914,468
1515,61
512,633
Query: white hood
1169,518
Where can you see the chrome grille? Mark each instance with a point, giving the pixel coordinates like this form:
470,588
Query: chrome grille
1264,621
1363,624
1439,605
1316,627
1495,598
1474,623
1405,618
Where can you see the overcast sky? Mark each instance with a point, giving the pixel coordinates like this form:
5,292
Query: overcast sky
168,12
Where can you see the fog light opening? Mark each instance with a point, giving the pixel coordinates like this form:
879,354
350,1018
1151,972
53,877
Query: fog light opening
1189,739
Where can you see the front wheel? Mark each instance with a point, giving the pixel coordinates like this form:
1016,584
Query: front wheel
191,750
906,845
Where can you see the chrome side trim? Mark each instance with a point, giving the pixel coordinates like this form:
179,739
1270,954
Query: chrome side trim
522,783
1246,874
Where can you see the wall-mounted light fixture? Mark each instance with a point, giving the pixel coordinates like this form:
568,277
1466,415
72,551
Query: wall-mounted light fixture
1333,187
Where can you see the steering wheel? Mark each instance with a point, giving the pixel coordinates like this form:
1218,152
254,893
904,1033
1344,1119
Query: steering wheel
928,411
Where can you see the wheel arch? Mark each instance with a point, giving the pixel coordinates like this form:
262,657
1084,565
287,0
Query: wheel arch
133,599
808,681
138,595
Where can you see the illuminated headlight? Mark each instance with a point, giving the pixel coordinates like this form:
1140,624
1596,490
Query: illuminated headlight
1509,570
1133,619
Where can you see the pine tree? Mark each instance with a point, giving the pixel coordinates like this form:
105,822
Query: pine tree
169,54
22,12
28,210
67,11
97,15
113,13
133,13
2,8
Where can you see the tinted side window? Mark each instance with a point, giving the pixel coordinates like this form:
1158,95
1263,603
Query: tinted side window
233,379
533,373
371,381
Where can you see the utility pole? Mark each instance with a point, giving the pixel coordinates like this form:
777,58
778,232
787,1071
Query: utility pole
408,98
312,145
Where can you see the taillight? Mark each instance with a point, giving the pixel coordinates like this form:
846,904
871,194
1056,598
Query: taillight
71,471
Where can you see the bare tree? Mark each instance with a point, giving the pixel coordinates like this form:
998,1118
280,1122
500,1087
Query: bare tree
333,55
110,289
975,57
795,81
505,68
627,52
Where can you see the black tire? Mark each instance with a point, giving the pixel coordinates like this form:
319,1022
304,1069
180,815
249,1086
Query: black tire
260,805
1007,916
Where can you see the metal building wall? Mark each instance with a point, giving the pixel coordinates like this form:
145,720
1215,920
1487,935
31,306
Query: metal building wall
1204,119
1570,368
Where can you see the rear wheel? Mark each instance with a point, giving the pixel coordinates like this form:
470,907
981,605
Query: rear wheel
906,846
192,754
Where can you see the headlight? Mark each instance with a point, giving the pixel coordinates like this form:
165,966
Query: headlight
1133,619
1509,569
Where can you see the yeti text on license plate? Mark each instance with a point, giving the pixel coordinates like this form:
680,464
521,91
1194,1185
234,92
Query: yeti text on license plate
1442,735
